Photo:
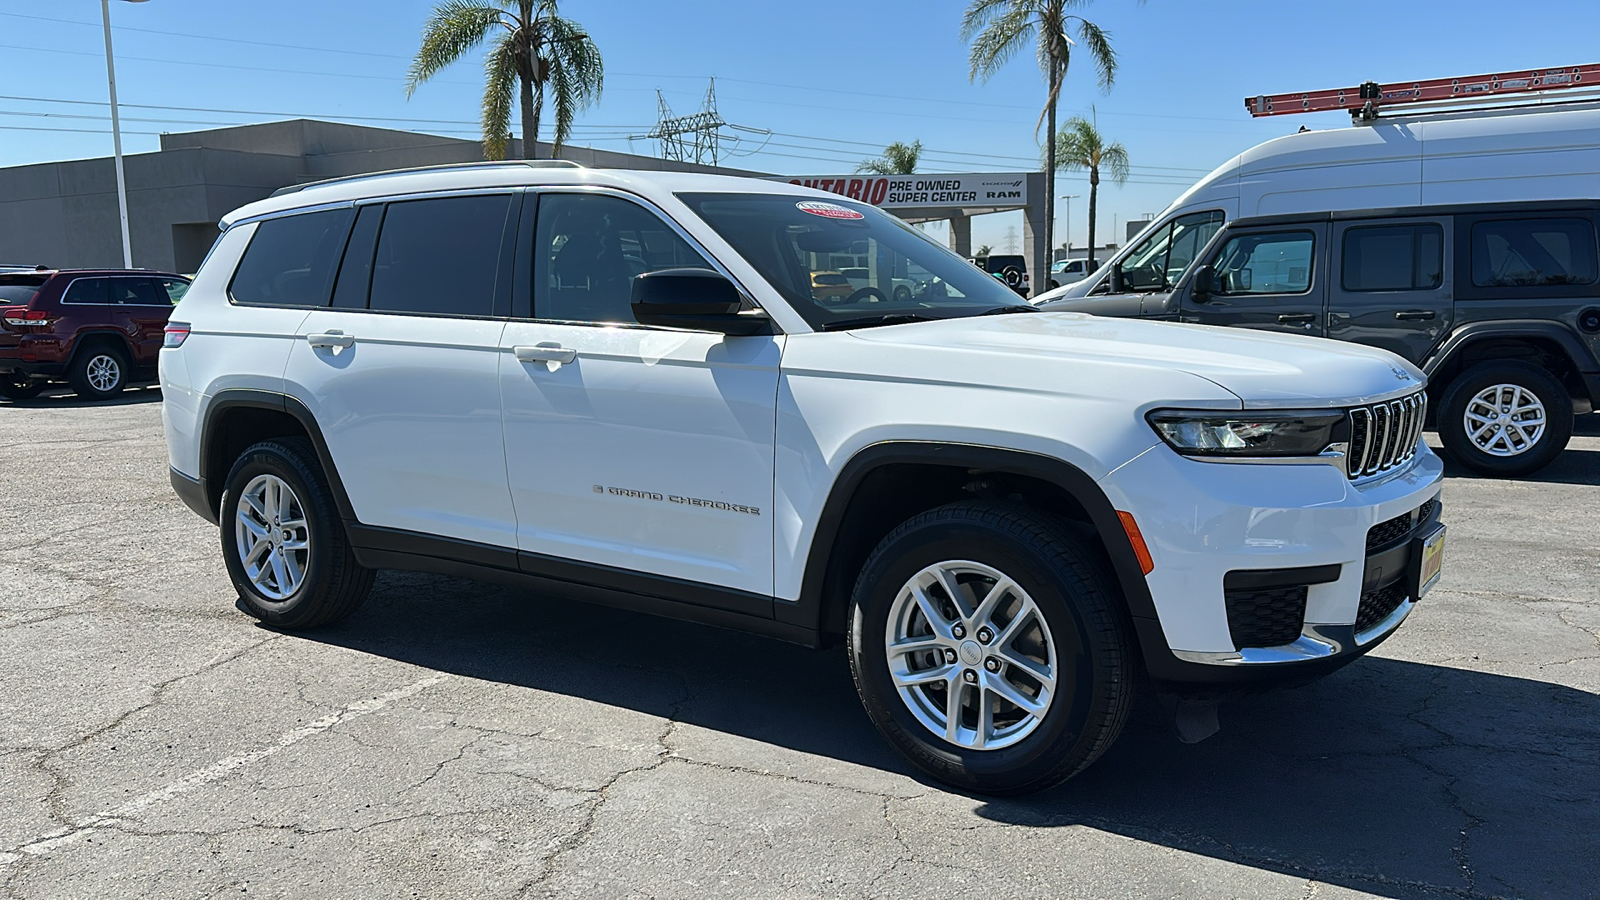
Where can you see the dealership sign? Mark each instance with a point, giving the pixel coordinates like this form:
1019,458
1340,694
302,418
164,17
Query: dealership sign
928,191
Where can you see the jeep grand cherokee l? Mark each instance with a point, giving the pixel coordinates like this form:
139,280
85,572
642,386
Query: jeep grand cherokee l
1004,515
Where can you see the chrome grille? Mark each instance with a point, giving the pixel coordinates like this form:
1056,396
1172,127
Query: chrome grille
1385,435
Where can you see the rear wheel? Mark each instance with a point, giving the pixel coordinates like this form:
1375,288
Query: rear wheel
98,373
283,540
1505,419
20,387
987,647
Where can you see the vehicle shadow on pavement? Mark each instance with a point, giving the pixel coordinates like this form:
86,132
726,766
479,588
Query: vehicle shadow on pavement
65,399
1392,777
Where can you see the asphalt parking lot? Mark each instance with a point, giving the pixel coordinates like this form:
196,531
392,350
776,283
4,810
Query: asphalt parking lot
454,739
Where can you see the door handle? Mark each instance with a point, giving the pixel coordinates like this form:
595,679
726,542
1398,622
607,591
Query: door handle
331,340
1297,319
1414,315
545,351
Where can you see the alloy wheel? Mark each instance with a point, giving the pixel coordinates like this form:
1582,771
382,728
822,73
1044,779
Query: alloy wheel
103,372
1504,420
971,655
272,537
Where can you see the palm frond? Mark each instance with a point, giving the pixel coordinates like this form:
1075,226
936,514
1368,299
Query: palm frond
577,72
1114,161
454,28
899,158
500,85
997,29
1098,42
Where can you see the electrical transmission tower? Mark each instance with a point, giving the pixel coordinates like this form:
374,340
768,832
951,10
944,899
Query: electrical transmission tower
691,138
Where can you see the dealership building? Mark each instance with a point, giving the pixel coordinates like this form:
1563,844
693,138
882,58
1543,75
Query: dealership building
64,214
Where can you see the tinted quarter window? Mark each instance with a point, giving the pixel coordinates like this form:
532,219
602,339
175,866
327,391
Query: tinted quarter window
1393,258
1530,252
589,247
440,256
355,273
290,261
86,290
1277,263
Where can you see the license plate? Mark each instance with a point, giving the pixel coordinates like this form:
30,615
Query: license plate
1432,561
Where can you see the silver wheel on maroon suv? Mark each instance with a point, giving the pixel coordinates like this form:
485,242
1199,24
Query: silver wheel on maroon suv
98,372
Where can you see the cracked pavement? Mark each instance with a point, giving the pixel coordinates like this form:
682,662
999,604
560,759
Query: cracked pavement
454,739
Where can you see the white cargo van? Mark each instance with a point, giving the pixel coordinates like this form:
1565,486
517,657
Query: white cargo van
1432,159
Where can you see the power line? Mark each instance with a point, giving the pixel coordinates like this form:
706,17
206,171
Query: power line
208,37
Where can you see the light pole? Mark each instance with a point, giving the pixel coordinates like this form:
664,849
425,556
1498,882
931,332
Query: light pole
116,136
1069,198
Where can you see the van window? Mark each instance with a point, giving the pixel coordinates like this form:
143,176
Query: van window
290,260
1393,258
1529,252
589,247
1158,261
440,256
1274,263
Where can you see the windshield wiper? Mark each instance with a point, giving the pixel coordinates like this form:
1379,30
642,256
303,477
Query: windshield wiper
874,321
1014,308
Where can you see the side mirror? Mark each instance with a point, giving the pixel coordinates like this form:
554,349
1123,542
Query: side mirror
1115,280
1203,284
698,299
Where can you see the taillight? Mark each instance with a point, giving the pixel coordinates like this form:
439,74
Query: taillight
21,315
175,334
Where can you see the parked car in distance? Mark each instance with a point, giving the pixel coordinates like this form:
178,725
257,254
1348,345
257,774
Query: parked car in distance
96,329
1007,518
1010,268
1070,271
831,286
1499,303
901,290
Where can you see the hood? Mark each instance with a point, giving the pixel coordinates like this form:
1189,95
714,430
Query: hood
1264,369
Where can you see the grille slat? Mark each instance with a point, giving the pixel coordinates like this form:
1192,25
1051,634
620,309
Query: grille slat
1377,604
1265,617
1384,435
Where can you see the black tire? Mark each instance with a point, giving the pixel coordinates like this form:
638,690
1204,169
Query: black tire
90,368
902,294
1072,588
19,388
333,583
1546,445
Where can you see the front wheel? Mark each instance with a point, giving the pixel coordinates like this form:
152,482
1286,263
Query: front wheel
283,541
1505,419
987,647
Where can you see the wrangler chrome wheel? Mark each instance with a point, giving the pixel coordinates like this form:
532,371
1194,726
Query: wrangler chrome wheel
1504,420
970,655
272,537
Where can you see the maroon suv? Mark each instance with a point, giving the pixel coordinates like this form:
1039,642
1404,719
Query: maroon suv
96,329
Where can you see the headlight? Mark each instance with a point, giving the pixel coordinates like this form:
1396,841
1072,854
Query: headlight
1269,433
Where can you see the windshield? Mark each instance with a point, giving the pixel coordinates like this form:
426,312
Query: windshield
1160,260
844,264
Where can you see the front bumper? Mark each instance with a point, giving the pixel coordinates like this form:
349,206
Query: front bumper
1297,534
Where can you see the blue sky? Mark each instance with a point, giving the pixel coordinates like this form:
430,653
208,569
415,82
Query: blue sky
834,80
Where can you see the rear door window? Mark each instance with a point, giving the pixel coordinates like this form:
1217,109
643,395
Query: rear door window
1393,258
86,292
1533,252
441,256
290,260
135,292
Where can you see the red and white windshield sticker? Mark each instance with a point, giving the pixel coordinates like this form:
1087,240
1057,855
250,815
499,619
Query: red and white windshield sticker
828,210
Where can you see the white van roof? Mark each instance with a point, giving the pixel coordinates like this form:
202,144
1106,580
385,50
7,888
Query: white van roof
1525,153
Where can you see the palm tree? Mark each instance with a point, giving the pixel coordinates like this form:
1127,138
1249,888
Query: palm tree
897,159
532,46
999,28
983,252
1080,146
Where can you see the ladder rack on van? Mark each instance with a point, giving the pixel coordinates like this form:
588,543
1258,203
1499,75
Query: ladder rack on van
1366,101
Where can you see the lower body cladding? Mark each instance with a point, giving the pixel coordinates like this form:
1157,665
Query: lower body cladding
1266,575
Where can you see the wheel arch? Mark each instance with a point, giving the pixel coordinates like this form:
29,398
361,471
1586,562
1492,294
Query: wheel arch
884,484
1548,345
96,337
237,418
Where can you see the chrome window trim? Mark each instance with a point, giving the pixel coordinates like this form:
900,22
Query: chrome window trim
65,302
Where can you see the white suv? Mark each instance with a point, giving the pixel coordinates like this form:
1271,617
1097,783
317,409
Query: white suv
618,387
